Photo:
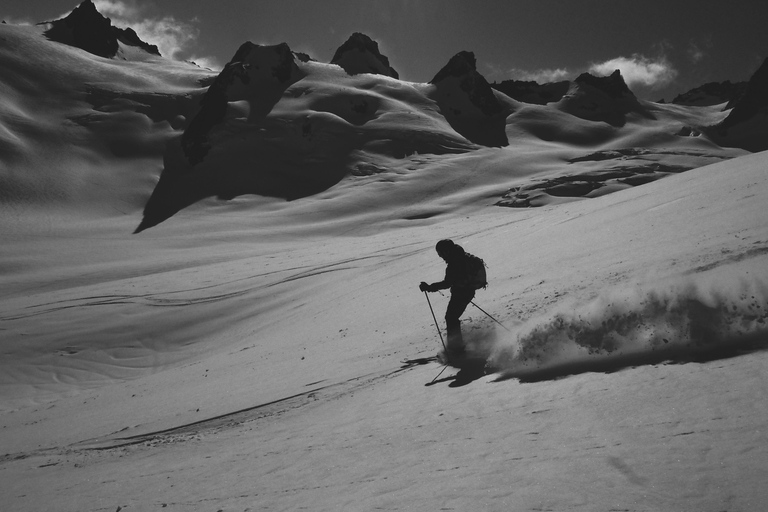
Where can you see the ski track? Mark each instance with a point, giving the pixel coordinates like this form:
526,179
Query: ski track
199,430
163,300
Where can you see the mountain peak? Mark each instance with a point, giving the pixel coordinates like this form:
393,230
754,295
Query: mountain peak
614,85
463,67
360,54
602,99
461,64
754,99
468,103
746,126
712,93
533,92
86,28
257,73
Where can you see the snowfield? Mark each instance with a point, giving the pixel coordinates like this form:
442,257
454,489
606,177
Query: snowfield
209,300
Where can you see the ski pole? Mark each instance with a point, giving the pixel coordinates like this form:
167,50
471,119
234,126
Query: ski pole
489,315
435,319
445,367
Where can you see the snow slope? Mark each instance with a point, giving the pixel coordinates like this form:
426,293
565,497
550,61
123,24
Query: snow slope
257,353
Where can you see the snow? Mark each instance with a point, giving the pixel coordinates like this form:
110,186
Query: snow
253,353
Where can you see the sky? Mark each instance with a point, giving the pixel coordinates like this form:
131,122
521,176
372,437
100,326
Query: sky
662,47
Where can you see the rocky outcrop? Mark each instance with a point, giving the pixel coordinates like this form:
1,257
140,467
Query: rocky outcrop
602,99
712,93
468,102
753,102
129,37
360,54
257,74
303,57
462,68
533,92
244,93
612,86
86,28
746,126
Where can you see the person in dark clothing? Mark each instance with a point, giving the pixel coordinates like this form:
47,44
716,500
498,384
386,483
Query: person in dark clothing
462,293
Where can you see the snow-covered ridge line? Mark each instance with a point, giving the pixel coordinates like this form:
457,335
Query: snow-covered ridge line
182,134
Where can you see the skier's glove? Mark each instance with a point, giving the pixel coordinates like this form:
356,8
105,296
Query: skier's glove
424,287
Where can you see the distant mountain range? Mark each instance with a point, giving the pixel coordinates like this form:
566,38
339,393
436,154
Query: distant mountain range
89,30
277,123
86,28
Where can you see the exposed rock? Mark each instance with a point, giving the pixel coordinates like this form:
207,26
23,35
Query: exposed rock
468,102
533,92
360,54
712,93
244,93
602,99
754,101
613,86
129,37
259,74
587,184
86,28
746,126
303,57
463,67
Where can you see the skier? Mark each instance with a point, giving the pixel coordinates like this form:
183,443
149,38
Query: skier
464,274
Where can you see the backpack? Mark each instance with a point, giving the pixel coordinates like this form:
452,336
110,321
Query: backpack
475,272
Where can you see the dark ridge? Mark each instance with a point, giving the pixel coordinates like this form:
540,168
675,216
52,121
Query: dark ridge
303,57
86,28
754,99
712,93
533,92
746,126
488,128
463,63
613,85
463,66
213,105
129,37
379,64
604,99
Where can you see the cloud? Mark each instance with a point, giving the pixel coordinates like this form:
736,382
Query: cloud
695,53
541,75
639,70
698,50
206,62
18,21
111,8
495,72
172,36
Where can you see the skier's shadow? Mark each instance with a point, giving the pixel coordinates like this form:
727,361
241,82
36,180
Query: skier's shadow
465,375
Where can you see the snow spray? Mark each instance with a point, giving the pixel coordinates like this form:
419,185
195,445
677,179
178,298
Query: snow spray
692,318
